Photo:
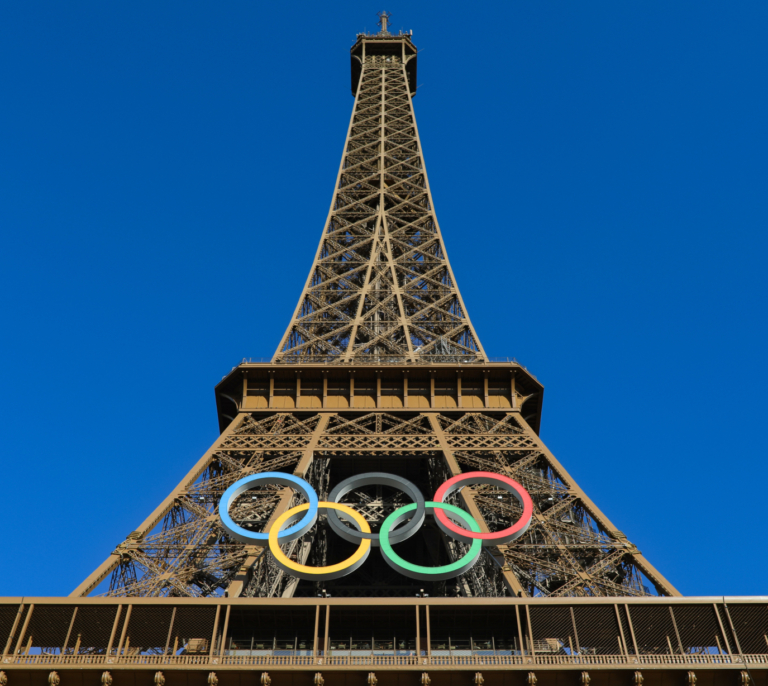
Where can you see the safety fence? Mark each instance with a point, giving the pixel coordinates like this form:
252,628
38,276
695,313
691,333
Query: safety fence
398,633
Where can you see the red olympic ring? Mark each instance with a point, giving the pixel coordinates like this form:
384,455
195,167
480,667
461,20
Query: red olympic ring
492,538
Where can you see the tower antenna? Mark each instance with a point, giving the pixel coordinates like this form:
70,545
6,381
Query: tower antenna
383,21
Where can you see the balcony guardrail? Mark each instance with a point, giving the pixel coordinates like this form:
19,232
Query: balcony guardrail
387,661
545,633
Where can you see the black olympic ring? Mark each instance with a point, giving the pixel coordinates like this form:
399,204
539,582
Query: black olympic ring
384,479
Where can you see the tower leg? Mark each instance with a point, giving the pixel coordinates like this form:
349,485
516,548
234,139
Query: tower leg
106,567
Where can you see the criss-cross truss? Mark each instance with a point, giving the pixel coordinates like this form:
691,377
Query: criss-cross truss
381,288
571,549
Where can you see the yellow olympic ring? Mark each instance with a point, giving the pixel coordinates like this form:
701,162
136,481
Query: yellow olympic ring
331,571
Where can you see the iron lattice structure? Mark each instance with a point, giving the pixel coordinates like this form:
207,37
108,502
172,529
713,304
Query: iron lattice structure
381,289
379,369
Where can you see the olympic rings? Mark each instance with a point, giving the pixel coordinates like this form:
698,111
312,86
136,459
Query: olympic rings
488,539
384,479
282,479
452,520
413,571
320,573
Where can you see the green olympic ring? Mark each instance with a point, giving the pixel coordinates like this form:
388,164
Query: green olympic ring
429,573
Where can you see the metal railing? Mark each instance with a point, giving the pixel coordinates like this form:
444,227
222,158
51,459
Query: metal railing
547,633
337,360
383,661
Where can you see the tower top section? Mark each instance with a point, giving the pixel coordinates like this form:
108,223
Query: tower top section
382,45
381,290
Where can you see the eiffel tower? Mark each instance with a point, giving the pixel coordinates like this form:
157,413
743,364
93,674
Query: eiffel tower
379,370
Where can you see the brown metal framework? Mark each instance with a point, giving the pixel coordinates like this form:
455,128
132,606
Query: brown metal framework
424,422
722,640
380,369
381,289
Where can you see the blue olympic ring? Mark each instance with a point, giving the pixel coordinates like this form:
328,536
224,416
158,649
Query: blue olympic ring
282,479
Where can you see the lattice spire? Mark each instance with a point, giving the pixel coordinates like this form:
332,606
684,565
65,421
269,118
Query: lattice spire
381,288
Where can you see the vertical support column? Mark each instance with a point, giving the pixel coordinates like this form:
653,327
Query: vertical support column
631,629
432,388
575,630
485,388
114,631
727,614
405,388
315,637
621,630
520,630
677,633
325,388
418,634
224,632
15,626
170,631
722,629
271,388
530,630
298,388
69,632
24,630
459,402
212,651
123,633
327,627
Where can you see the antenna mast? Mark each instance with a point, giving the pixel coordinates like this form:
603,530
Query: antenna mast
383,22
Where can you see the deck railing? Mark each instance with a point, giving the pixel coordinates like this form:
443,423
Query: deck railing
605,633
384,661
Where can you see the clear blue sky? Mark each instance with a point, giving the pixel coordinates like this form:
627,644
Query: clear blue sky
599,172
